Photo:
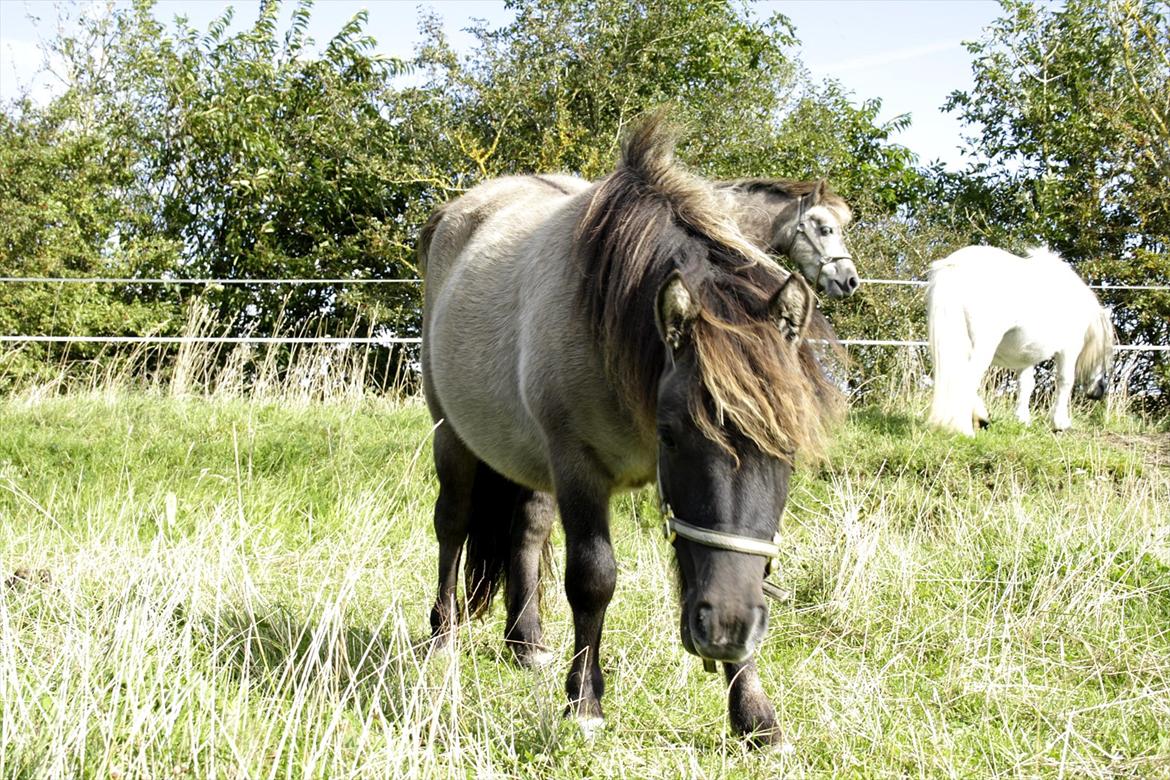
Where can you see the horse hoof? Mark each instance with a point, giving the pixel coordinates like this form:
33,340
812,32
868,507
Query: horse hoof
981,424
439,646
781,747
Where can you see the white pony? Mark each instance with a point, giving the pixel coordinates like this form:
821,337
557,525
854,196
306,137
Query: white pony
988,307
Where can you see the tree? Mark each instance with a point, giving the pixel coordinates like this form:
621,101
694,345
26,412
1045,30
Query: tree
555,89
255,154
64,212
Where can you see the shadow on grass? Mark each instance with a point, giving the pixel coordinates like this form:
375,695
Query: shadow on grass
285,657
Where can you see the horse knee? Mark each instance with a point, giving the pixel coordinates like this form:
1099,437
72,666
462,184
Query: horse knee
590,574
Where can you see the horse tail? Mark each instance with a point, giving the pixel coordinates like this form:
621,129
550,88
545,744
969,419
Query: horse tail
951,346
494,529
1097,352
426,235
489,538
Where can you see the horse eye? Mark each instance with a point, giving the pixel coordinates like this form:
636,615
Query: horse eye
826,230
666,438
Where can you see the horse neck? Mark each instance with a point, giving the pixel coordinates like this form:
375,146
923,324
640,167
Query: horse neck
756,213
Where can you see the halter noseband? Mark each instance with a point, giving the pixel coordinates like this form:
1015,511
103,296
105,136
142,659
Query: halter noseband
804,228
673,528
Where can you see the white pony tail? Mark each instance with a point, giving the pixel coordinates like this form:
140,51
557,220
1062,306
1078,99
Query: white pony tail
950,353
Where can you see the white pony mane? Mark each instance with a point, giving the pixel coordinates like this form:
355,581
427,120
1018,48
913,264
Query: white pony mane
1044,253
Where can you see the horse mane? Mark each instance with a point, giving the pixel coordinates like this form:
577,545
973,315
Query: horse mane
426,236
791,189
1098,349
650,217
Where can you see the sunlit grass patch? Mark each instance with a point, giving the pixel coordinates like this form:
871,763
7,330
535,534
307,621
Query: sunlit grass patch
239,588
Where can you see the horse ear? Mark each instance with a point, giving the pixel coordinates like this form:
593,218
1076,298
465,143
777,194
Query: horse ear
676,310
818,194
791,308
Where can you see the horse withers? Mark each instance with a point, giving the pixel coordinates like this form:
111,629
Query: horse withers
989,307
581,342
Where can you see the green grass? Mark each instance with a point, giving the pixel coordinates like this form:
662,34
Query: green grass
232,588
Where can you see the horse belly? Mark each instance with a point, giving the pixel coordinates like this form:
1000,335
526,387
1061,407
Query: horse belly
473,378
1019,349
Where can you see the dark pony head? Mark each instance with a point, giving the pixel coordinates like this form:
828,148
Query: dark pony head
705,338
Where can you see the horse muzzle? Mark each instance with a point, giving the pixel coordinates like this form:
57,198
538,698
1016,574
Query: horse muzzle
843,282
723,633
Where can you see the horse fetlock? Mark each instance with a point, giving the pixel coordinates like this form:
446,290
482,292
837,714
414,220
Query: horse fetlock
530,655
442,623
590,726
753,716
585,709
757,725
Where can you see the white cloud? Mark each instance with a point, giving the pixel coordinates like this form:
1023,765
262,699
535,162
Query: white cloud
884,58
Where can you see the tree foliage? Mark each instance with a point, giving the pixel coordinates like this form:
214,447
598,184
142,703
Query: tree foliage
251,151
555,89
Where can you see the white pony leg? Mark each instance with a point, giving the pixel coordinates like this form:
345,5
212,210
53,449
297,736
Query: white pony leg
979,414
1065,377
1027,382
981,358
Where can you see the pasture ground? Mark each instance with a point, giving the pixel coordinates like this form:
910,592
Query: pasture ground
230,588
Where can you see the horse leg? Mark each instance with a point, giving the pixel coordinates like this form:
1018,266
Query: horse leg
1065,378
979,416
590,578
455,467
752,714
1026,378
530,532
981,357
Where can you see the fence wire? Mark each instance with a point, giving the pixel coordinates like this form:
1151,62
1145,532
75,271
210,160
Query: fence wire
392,340
327,282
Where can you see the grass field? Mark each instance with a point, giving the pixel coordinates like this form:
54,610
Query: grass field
233,588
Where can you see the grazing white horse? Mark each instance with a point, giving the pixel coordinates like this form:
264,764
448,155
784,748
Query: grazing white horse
989,307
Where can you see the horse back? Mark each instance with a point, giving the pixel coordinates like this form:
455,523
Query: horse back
507,357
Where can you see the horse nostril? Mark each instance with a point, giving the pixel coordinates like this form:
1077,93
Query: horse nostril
704,620
761,623
851,283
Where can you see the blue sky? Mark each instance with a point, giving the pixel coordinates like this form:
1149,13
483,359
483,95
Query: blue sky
907,52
